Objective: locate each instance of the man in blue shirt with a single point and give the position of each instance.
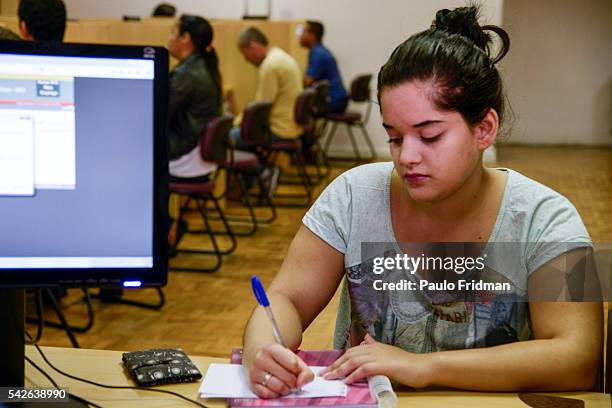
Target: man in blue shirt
(322, 65)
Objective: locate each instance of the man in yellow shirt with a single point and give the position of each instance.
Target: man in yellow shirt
(279, 80)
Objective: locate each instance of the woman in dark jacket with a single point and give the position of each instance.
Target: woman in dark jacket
(195, 99)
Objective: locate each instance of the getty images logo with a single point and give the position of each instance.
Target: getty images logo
(148, 52)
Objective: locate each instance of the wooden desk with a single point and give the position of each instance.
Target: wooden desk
(106, 367)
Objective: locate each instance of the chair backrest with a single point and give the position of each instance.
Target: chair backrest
(303, 107)
(214, 139)
(321, 102)
(255, 126)
(360, 88)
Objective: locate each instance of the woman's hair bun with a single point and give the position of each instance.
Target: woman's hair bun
(464, 21)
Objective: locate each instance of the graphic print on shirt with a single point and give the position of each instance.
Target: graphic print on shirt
(427, 321)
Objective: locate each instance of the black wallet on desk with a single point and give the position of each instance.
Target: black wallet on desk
(160, 366)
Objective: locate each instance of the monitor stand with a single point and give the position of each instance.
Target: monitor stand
(12, 346)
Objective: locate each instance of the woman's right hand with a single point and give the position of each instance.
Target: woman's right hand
(276, 370)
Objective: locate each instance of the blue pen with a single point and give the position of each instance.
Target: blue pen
(262, 299)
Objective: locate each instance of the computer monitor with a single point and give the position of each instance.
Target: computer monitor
(83, 167)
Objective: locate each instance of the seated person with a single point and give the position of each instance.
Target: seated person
(195, 99)
(42, 20)
(164, 10)
(278, 80)
(442, 102)
(322, 65)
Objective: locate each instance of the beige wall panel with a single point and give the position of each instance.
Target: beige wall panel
(9, 7)
(10, 23)
(239, 76)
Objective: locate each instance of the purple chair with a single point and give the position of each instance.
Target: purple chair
(255, 126)
(320, 110)
(320, 107)
(293, 147)
(360, 92)
(213, 147)
(239, 164)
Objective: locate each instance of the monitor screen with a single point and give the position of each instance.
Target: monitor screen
(82, 165)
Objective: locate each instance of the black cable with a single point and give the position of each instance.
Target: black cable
(84, 401)
(42, 371)
(75, 397)
(39, 315)
(94, 383)
(121, 387)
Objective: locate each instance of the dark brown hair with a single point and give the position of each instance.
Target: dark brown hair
(455, 52)
(201, 33)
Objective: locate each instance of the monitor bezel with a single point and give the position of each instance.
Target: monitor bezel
(157, 274)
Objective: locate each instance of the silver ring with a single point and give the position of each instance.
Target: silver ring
(266, 378)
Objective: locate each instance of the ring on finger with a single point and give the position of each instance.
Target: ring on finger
(266, 379)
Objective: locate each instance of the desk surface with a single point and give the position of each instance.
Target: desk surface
(105, 367)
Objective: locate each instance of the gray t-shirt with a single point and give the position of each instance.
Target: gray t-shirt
(355, 208)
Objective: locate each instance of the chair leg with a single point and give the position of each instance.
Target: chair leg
(330, 136)
(267, 201)
(228, 229)
(251, 220)
(215, 251)
(319, 133)
(319, 176)
(262, 198)
(308, 184)
(252, 217)
(74, 329)
(369, 142)
(201, 203)
(320, 129)
(353, 143)
(295, 178)
(244, 197)
(305, 182)
(324, 159)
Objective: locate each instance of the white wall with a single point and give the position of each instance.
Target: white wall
(361, 33)
(143, 8)
(559, 71)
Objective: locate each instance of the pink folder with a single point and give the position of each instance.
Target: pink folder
(358, 393)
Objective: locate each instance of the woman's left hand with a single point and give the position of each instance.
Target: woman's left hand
(374, 358)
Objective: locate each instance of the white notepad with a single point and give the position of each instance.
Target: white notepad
(231, 381)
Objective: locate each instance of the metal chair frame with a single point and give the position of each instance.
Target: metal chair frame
(360, 92)
(303, 116)
(213, 147)
(255, 128)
